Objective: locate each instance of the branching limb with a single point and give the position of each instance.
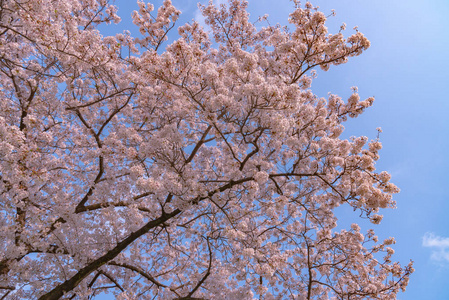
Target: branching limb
(137, 270)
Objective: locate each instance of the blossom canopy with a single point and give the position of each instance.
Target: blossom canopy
(204, 168)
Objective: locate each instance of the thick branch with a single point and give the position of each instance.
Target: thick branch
(71, 283)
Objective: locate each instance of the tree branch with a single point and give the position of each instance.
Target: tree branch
(71, 283)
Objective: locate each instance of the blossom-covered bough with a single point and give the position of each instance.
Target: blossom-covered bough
(201, 169)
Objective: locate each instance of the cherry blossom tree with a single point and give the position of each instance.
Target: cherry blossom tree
(203, 168)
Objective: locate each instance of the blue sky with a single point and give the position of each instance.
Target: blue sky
(407, 70)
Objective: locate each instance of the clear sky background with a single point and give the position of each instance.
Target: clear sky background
(407, 70)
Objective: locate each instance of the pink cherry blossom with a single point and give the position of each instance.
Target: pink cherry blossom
(203, 168)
